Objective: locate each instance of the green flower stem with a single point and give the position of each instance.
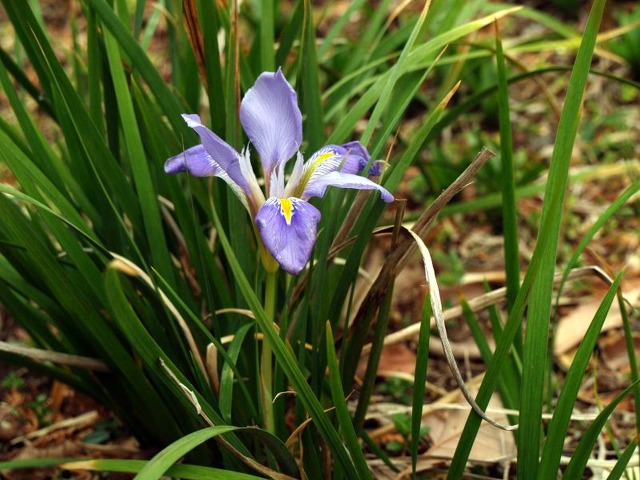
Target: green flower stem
(266, 360)
(268, 262)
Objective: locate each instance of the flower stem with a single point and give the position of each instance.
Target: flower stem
(266, 360)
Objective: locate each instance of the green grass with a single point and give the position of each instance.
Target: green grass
(246, 373)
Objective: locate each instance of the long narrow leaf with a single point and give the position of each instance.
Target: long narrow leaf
(342, 412)
(509, 210)
(287, 361)
(188, 472)
(539, 312)
(557, 428)
(621, 464)
(156, 83)
(161, 462)
(144, 185)
(583, 452)
(422, 361)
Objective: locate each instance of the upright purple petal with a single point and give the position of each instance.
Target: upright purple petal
(318, 187)
(270, 115)
(288, 229)
(195, 161)
(220, 151)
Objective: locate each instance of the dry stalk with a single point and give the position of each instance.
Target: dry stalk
(40, 355)
(484, 301)
(399, 257)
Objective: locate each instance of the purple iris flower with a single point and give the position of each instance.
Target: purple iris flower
(286, 221)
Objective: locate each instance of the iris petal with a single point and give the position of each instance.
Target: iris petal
(326, 160)
(220, 151)
(272, 120)
(288, 229)
(334, 157)
(195, 161)
(318, 187)
(356, 148)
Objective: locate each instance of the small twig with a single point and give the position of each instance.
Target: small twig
(40, 355)
(298, 430)
(83, 420)
(424, 222)
(483, 301)
(398, 258)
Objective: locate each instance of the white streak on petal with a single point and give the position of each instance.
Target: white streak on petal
(296, 176)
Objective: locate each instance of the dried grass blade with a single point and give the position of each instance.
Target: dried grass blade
(40, 355)
(436, 307)
(486, 300)
(194, 33)
(129, 268)
(400, 255)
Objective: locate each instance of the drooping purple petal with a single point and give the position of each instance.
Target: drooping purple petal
(220, 151)
(288, 229)
(377, 168)
(318, 187)
(195, 161)
(270, 115)
(356, 148)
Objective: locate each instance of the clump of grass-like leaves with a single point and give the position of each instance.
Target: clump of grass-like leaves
(156, 288)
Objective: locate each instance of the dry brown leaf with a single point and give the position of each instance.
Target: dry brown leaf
(588, 395)
(492, 445)
(572, 328)
(613, 350)
(397, 358)
(66, 449)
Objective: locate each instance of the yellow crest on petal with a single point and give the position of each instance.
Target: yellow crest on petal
(286, 207)
(323, 157)
(311, 167)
